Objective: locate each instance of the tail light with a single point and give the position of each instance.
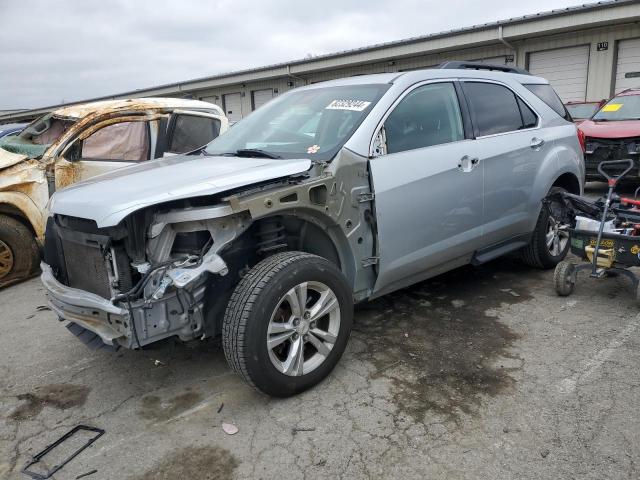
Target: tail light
(582, 141)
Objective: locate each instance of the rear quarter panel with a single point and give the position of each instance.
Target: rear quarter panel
(565, 157)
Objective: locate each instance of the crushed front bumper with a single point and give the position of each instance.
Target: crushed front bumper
(601, 149)
(146, 322)
(86, 309)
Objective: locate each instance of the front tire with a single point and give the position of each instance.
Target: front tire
(287, 323)
(19, 254)
(550, 240)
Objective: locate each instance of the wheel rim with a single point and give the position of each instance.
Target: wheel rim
(303, 328)
(6, 259)
(557, 237)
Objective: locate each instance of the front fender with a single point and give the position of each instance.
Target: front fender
(28, 208)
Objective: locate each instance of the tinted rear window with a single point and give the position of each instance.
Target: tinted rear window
(191, 132)
(494, 108)
(548, 95)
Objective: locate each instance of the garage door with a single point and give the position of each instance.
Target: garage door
(233, 106)
(212, 99)
(565, 68)
(628, 67)
(260, 97)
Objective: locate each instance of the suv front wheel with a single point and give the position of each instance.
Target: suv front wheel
(549, 242)
(288, 323)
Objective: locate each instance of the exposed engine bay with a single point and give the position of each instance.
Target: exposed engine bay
(602, 149)
(152, 265)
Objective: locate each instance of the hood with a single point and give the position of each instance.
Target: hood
(612, 129)
(109, 198)
(8, 159)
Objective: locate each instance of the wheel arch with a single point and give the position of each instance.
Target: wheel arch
(569, 182)
(310, 232)
(21, 208)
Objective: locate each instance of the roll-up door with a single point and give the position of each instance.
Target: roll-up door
(628, 67)
(260, 97)
(233, 106)
(565, 68)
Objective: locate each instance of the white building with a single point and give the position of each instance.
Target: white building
(588, 52)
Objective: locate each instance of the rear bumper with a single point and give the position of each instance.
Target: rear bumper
(86, 309)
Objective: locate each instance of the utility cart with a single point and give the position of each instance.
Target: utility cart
(604, 233)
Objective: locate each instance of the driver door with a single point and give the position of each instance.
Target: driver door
(114, 146)
(428, 187)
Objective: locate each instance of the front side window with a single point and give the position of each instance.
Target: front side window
(124, 142)
(429, 115)
(494, 109)
(190, 132)
(625, 107)
(312, 123)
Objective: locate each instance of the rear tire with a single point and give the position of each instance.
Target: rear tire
(539, 253)
(563, 278)
(19, 253)
(287, 323)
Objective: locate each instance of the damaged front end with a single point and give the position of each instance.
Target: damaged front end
(602, 149)
(144, 280)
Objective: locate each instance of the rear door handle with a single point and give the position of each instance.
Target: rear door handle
(466, 163)
(536, 143)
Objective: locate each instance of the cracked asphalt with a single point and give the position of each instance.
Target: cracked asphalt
(481, 373)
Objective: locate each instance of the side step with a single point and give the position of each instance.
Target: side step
(499, 249)
(90, 339)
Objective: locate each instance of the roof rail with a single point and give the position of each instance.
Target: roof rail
(482, 66)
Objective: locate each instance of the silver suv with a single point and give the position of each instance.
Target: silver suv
(331, 194)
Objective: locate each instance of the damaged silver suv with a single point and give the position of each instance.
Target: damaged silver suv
(330, 194)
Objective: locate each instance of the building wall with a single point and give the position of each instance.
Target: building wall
(600, 79)
(604, 21)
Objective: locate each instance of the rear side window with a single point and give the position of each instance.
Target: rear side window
(494, 108)
(548, 95)
(429, 115)
(529, 119)
(190, 132)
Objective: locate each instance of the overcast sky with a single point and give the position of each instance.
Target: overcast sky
(67, 50)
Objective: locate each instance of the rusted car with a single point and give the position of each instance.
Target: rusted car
(79, 142)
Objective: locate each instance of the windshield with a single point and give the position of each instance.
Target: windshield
(626, 107)
(37, 137)
(582, 110)
(312, 123)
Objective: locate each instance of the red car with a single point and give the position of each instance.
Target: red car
(613, 133)
(581, 111)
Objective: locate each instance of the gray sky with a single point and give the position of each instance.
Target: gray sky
(66, 50)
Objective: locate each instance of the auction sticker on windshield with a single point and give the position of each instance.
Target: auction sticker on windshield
(354, 105)
(612, 107)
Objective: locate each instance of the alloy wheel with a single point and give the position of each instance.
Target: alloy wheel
(303, 328)
(6, 259)
(557, 236)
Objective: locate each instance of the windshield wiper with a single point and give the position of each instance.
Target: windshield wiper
(250, 152)
(255, 152)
